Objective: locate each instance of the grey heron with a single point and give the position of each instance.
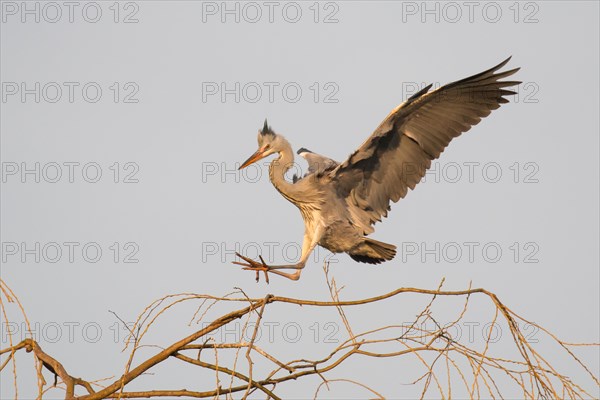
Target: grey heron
(340, 202)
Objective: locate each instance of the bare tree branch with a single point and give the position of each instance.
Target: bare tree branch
(448, 364)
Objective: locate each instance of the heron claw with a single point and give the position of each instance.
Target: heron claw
(254, 266)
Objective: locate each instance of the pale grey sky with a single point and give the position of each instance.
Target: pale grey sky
(165, 103)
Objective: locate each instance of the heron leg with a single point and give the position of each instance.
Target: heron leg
(261, 266)
(308, 245)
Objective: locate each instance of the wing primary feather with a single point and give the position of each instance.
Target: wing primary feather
(420, 93)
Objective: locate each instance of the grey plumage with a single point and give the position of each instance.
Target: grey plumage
(395, 157)
(340, 203)
(317, 164)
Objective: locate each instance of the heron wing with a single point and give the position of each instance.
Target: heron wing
(397, 155)
(316, 163)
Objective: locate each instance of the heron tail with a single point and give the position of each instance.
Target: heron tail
(372, 251)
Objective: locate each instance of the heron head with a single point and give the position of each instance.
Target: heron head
(268, 143)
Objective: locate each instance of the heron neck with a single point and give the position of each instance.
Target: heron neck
(277, 170)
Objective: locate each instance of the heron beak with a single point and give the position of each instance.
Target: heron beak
(260, 153)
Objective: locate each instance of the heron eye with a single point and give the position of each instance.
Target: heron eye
(267, 146)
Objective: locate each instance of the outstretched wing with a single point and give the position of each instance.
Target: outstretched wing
(396, 156)
(316, 163)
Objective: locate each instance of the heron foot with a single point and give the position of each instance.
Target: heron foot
(252, 265)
